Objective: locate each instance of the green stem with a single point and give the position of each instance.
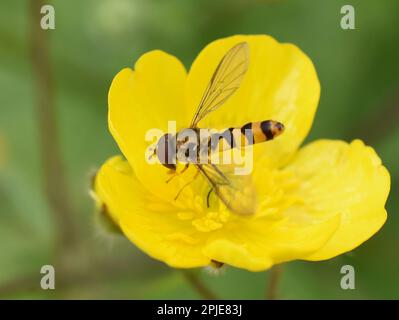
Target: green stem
(197, 284)
(56, 189)
(275, 277)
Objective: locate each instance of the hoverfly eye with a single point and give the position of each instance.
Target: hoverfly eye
(166, 149)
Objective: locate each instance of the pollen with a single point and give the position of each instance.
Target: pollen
(211, 221)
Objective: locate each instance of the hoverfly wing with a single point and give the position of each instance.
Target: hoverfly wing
(235, 191)
(224, 82)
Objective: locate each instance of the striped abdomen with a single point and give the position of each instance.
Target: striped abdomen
(251, 133)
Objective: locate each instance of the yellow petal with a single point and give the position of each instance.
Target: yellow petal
(143, 99)
(151, 224)
(340, 178)
(259, 243)
(177, 238)
(280, 84)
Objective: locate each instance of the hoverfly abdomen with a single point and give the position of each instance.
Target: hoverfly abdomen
(266, 130)
(248, 134)
(246, 131)
(223, 141)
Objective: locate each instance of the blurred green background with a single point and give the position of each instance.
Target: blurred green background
(93, 40)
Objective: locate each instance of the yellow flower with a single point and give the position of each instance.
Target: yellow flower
(314, 203)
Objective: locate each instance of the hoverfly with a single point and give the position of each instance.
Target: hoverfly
(239, 197)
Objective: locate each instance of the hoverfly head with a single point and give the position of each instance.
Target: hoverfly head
(166, 151)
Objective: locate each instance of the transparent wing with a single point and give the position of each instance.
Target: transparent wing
(224, 82)
(236, 191)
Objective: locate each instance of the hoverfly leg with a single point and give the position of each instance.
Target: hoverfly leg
(208, 196)
(175, 173)
(187, 184)
(185, 168)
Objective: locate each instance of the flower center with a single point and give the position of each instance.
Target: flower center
(273, 198)
(211, 221)
(204, 218)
